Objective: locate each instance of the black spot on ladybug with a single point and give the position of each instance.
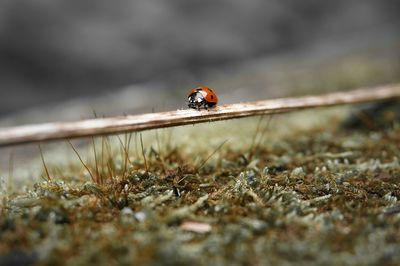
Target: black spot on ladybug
(212, 97)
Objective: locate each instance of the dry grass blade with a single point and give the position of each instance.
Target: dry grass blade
(254, 149)
(125, 153)
(209, 156)
(253, 141)
(83, 163)
(10, 170)
(44, 164)
(103, 126)
(160, 156)
(143, 153)
(95, 161)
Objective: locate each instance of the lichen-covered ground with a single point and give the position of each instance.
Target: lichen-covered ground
(312, 187)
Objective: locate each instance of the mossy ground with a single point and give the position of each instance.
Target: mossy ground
(295, 189)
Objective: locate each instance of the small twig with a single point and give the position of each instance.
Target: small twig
(103, 126)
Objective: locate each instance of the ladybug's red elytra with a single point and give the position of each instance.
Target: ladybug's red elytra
(202, 97)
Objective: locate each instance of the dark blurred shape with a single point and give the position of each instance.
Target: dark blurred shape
(55, 50)
(381, 115)
(16, 257)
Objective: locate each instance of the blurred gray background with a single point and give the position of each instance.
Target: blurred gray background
(62, 60)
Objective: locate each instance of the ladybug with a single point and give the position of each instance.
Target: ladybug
(202, 97)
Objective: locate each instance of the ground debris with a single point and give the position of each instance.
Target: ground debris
(196, 227)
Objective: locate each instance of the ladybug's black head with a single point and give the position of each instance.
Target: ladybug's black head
(196, 100)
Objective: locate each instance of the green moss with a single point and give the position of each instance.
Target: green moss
(306, 191)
